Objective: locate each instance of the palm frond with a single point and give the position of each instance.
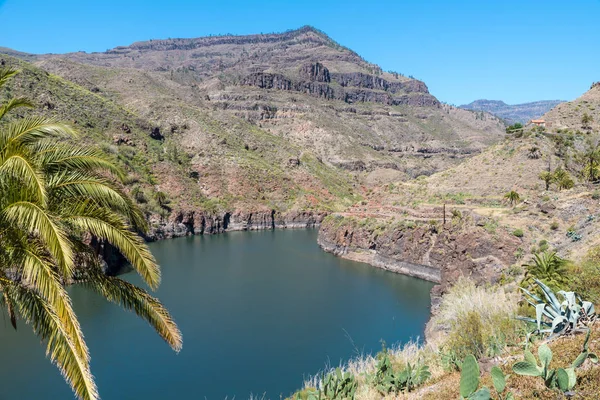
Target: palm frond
(6, 74)
(17, 165)
(38, 274)
(38, 312)
(30, 129)
(134, 298)
(10, 308)
(13, 104)
(60, 157)
(32, 219)
(109, 226)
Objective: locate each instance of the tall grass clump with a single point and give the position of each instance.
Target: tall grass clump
(475, 320)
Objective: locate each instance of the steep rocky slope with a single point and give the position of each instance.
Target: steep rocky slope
(570, 115)
(252, 128)
(513, 113)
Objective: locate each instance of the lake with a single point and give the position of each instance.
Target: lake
(259, 312)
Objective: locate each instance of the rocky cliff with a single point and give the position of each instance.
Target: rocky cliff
(427, 250)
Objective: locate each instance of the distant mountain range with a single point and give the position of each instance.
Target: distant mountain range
(513, 113)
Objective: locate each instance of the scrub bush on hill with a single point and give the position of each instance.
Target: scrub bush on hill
(477, 320)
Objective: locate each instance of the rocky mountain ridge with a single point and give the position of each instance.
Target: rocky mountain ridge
(513, 113)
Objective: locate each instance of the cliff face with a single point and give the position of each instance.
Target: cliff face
(428, 251)
(197, 222)
(355, 87)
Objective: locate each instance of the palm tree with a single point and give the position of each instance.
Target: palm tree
(563, 179)
(549, 268)
(54, 197)
(512, 197)
(547, 177)
(591, 159)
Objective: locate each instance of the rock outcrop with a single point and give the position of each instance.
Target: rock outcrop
(193, 222)
(423, 250)
(354, 87)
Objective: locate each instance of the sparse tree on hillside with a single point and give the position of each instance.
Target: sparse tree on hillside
(54, 196)
(547, 177)
(512, 197)
(563, 179)
(591, 160)
(586, 120)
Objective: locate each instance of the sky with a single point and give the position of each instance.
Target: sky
(515, 51)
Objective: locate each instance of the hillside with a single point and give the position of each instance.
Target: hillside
(521, 113)
(570, 115)
(230, 124)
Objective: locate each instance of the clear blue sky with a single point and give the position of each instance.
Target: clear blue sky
(516, 51)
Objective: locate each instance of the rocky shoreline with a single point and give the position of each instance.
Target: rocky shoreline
(192, 222)
(436, 253)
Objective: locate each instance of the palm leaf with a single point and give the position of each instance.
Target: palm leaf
(134, 298)
(38, 274)
(19, 167)
(6, 74)
(110, 227)
(38, 312)
(34, 220)
(13, 104)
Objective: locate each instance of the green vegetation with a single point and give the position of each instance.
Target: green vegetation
(547, 177)
(560, 318)
(469, 382)
(512, 197)
(591, 161)
(515, 128)
(389, 381)
(54, 195)
(547, 267)
(562, 378)
(518, 233)
(586, 120)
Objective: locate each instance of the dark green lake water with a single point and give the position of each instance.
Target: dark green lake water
(259, 311)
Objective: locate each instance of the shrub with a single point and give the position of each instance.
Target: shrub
(518, 233)
(477, 320)
(585, 276)
(596, 195)
(554, 225)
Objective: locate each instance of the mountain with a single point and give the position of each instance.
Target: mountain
(570, 115)
(235, 125)
(522, 113)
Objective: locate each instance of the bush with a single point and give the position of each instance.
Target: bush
(477, 320)
(596, 195)
(585, 276)
(518, 233)
(554, 225)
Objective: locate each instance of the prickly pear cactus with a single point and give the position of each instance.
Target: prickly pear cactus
(469, 377)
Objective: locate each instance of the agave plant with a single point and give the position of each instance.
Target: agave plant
(556, 317)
